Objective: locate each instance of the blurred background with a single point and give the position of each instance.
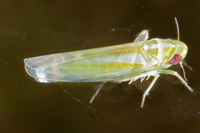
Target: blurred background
(40, 27)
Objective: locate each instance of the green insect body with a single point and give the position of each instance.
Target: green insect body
(125, 62)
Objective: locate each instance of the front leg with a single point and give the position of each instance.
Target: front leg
(171, 72)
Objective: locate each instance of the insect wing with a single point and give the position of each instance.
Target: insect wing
(41, 68)
(92, 65)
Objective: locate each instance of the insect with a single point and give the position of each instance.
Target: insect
(119, 63)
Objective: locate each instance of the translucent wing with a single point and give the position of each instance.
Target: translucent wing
(92, 65)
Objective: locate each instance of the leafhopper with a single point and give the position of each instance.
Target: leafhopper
(119, 63)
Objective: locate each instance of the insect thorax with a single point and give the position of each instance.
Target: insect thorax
(162, 50)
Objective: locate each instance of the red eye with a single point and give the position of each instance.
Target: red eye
(175, 60)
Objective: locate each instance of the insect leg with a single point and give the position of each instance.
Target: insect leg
(79, 102)
(97, 92)
(142, 36)
(148, 89)
(171, 72)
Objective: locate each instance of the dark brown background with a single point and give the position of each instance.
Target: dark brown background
(39, 27)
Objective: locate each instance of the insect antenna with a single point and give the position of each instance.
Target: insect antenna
(177, 27)
(178, 38)
(185, 64)
(181, 64)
